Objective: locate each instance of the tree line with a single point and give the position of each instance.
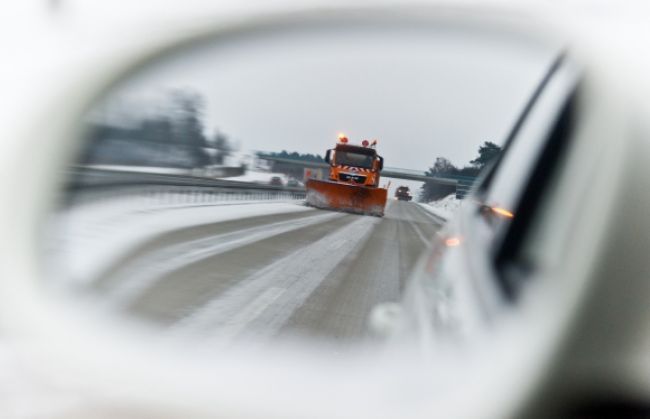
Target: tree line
(291, 169)
(171, 136)
(442, 167)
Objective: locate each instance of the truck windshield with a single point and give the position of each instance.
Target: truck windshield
(346, 158)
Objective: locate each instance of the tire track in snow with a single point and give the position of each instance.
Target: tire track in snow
(144, 274)
(260, 304)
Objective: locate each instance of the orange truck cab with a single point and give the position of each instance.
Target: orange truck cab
(357, 165)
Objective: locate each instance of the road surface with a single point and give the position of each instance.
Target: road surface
(310, 273)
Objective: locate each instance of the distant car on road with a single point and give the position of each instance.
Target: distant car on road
(276, 181)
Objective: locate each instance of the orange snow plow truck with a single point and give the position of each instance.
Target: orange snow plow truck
(353, 184)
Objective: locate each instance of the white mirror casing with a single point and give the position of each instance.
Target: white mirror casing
(555, 344)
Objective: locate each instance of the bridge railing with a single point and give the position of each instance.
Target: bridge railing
(463, 183)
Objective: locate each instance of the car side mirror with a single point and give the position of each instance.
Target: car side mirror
(204, 292)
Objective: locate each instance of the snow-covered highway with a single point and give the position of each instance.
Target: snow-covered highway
(255, 270)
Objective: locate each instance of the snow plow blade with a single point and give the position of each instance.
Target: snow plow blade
(343, 197)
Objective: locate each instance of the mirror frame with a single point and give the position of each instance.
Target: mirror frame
(68, 343)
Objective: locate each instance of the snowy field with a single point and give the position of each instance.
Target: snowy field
(445, 207)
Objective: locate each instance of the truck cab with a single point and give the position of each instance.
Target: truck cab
(355, 164)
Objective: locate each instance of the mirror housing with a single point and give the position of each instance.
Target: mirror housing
(173, 376)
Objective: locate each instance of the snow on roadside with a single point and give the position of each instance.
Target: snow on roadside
(445, 207)
(259, 177)
(139, 169)
(88, 238)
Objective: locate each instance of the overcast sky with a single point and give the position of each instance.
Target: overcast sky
(421, 93)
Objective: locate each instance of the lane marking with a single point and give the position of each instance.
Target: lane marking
(298, 274)
(408, 217)
(422, 234)
(144, 274)
(236, 324)
(422, 237)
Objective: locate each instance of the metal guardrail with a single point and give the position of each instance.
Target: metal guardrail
(84, 177)
(86, 184)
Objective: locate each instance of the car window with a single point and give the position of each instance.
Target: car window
(500, 198)
(513, 260)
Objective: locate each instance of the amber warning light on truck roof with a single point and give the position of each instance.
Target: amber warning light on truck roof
(343, 138)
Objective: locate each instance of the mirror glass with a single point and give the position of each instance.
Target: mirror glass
(200, 204)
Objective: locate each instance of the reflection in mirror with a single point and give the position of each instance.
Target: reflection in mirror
(202, 203)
